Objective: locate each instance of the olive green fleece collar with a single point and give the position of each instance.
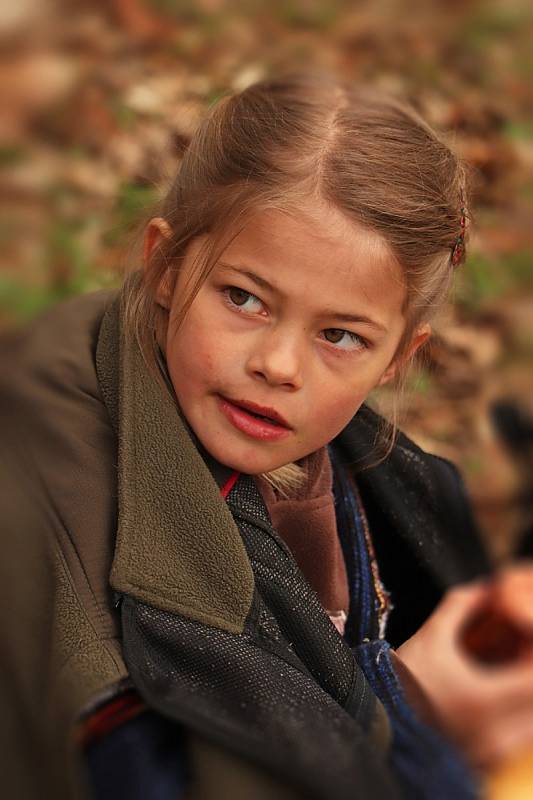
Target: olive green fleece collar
(177, 547)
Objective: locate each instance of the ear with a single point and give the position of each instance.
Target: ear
(419, 337)
(157, 230)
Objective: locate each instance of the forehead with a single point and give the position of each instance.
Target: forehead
(319, 254)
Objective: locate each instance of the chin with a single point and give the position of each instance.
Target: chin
(248, 468)
(250, 465)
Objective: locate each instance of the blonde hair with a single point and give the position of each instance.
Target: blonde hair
(280, 142)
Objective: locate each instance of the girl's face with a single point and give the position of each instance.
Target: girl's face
(297, 323)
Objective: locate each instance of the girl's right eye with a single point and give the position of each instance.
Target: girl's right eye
(241, 300)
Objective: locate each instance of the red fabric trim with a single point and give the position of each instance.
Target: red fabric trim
(230, 483)
(109, 717)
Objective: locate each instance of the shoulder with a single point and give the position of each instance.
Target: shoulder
(56, 349)
(419, 494)
(405, 463)
(52, 414)
(54, 427)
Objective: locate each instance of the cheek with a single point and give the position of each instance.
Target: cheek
(344, 398)
(195, 359)
(338, 412)
(328, 417)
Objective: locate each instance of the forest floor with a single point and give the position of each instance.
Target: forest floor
(102, 98)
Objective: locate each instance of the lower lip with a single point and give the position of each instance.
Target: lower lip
(250, 425)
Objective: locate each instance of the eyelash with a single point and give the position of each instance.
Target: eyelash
(361, 344)
(359, 341)
(235, 306)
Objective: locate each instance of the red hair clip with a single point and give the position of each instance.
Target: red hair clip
(459, 250)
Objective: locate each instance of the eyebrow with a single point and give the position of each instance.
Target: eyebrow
(338, 317)
(358, 318)
(261, 282)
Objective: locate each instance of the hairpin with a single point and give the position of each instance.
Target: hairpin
(459, 250)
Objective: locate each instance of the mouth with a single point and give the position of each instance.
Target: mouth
(261, 412)
(256, 421)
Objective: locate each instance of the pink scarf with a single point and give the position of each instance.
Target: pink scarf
(305, 520)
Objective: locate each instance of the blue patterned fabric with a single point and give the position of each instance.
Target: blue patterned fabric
(362, 622)
(428, 767)
(143, 759)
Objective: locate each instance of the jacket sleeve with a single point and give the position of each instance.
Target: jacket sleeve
(38, 762)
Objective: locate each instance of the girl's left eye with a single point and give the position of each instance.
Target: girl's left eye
(241, 300)
(344, 340)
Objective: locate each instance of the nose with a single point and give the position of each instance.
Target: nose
(277, 358)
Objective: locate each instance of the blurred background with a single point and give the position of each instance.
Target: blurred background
(99, 100)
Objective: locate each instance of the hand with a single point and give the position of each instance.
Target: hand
(502, 630)
(487, 711)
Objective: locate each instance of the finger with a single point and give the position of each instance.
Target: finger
(511, 735)
(524, 567)
(511, 685)
(462, 600)
(495, 694)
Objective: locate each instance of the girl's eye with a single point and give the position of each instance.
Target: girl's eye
(345, 340)
(242, 300)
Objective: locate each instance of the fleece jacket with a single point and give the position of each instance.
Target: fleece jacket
(103, 461)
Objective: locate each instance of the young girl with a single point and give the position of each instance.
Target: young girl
(237, 539)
